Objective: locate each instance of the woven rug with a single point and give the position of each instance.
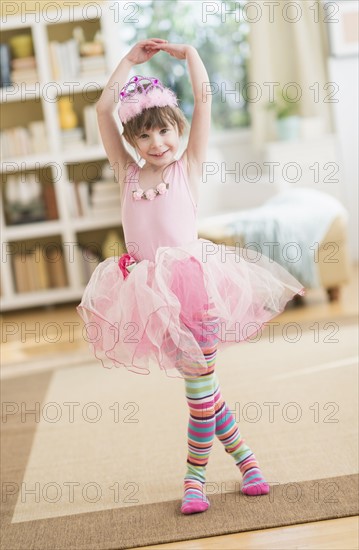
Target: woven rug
(94, 458)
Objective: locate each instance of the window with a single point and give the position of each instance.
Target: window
(222, 45)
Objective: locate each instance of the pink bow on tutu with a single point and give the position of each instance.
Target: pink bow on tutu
(126, 263)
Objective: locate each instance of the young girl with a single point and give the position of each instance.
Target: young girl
(174, 298)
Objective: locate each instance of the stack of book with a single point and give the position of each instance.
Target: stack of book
(18, 70)
(78, 198)
(39, 269)
(72, 139)
(66, 61)
(39, 141)
(105, 199)
(92, 65)
(15, 142)
(22, 141)
(23, 70)
(26, 200)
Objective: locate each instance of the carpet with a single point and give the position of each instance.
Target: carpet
(85, 460)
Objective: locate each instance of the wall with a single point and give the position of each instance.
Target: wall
(231, 151)
(344, 71)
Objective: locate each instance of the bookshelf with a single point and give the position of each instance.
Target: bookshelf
(52, 234)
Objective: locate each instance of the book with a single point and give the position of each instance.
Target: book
(37, 131)
(5, 67)
(53, 46)
(64, 59)
(24, 62)
(73, 58)
(31, 271)
(92, 66)
(19, 268)
(106, 202)
(4, 145)
(92, 62)
(56, 267)
(24, 75)
(105, 213)
(21, 141)
(42, 276)
(92, 131)
(49, 197)
(72, 134)
(72, 138)
(82, 197)
(101, 187)
(71, 199)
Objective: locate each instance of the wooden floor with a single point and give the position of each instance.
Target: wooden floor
(58, 330)
(334, 534)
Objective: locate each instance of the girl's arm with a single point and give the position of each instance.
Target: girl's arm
(196, 151)
(117, 154)
(201, 118)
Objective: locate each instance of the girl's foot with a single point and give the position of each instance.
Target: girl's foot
(253, 481)
(194, 499)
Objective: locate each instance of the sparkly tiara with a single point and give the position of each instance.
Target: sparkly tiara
(143, 92)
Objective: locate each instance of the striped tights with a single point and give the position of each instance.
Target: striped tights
(209, 416)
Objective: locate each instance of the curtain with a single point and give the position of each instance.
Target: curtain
(289, 43)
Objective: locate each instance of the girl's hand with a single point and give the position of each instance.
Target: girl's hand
(144, 50)
(179, 51)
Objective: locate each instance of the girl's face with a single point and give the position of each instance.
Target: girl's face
(158, 146)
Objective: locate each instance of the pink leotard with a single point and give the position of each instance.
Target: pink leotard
(167, 220)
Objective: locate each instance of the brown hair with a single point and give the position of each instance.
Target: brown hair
(155, 117)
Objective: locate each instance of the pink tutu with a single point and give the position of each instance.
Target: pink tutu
(191, 296)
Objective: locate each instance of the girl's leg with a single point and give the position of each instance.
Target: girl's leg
(228, 433)
(201, 432)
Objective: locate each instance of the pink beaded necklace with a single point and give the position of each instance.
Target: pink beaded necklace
(150, 193)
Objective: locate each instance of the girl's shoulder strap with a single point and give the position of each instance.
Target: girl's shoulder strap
(182, 168)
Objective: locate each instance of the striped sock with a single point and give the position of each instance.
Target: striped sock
(228, 433)
(253, 481)
(201, 432)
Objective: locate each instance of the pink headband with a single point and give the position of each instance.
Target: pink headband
(153, 95)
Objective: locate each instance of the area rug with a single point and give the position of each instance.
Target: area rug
(94, 458)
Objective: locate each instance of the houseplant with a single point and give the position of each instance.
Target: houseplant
(287, 118)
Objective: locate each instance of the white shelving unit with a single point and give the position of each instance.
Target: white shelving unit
(65, 229)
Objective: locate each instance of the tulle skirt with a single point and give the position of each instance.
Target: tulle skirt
(191, 297)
